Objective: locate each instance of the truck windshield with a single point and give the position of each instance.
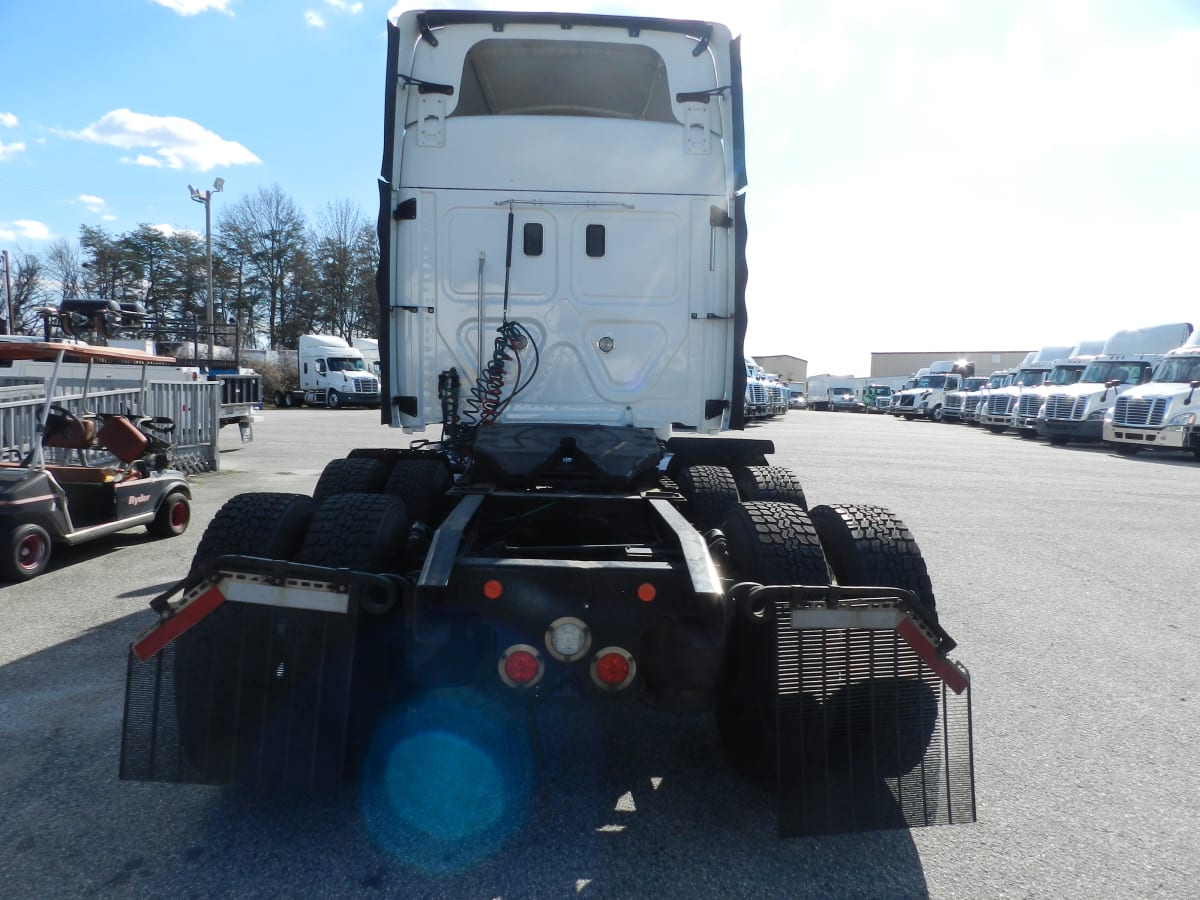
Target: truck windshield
(1183, 370)
(975, 384)
(931, 381)
(1030, 377)
(841, 392)
(1122, 372)
(565, 78)
(346, 364)
(1064, 375)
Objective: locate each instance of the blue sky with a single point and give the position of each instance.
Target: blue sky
(924, 175)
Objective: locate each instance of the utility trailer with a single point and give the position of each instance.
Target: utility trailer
(562, 289)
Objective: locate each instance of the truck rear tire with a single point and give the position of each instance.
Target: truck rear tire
(367, 532)
(769, 542)
(870, 546)
(422, 485)
(769, 483)
(263, 524)
(710, 491)
(351, 475)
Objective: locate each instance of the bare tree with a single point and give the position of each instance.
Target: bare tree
(266, 231)
(28, 292)
(63, 269)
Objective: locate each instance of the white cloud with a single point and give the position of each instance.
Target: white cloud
(8, 151)
(27, 229)
(91, 202)
(179, 142)
(8, 120)
(314, 20)
(142, 160)
(353, 8)
(195, 7)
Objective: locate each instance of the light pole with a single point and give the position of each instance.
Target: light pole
(205, 197)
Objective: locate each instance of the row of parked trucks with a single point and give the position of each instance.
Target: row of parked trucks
(766, 394)
(1135, 390)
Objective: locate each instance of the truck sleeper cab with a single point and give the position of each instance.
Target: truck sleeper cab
(560, 310)
(1161, 413)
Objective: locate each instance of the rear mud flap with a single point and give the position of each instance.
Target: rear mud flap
(873, 720)
(251, 695)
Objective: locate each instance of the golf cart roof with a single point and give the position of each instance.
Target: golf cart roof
(14, 347)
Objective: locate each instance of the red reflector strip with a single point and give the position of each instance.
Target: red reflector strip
(188, 614)
(954, 677)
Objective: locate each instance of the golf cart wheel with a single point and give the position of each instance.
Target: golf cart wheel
(770, 542)
(173, 516)
(27, 552)
(268, 525)
(333, 400)
(769, 483)
(351, 475)
(710, 491)
(870, 546)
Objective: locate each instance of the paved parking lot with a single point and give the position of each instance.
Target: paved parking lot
(1065, 574)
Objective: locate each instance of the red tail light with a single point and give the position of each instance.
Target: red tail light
(521, 666)
(613, 668)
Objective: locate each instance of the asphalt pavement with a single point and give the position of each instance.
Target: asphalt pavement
(1065, 574)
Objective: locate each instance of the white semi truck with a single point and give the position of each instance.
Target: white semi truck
(559, 309)
(1065, 372)
(331, 373)
(1161, 414)
(927, 398)
(997, 408)
(1077, 412)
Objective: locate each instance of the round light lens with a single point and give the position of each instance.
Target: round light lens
(568, 639)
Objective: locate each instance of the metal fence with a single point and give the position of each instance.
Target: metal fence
(194, 406)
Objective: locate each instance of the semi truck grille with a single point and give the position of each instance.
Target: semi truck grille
(970, 403)
(1140, 413)
(1064, 406)
(1028, 405)
(758, 394)
(953, 402)
(251, 695)
(908, 400)
(365, 386)
(999, 406)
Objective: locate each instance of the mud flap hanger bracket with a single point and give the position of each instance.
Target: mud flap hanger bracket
(824, 607)
(249, 579)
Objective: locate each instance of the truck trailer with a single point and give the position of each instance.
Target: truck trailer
(576, 529)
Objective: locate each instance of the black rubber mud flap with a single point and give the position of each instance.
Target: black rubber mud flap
(253, 695)
(873, 724)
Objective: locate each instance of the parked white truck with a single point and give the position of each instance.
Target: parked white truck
(833, 393)
(331, 373)
(562, 281)
(1161, 414)
(927, 398)
(996, 410)
(1065, 372)
(1076, 412)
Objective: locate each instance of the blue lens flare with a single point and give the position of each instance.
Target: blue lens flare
(447, 780)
